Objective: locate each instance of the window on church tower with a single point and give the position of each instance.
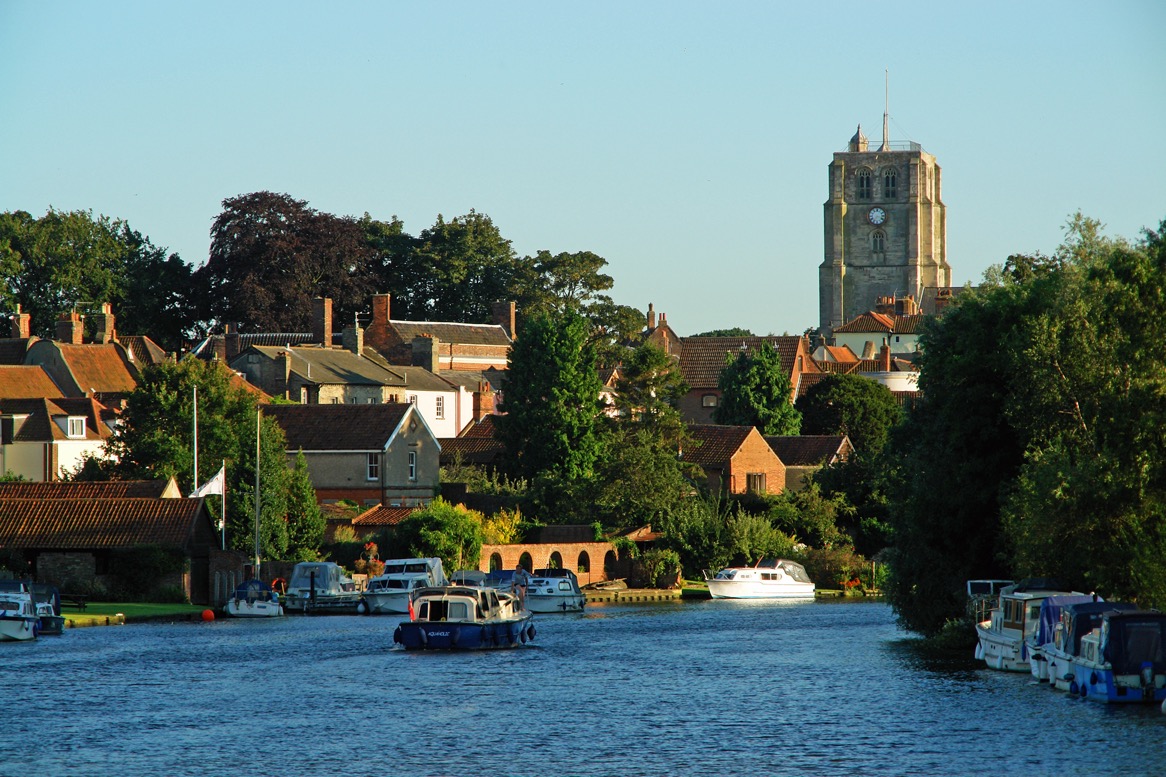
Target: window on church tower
(878, 241)
(864, 184)
(890, 184)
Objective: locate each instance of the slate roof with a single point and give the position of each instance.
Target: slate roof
(39, 425)
(17, 381)
(703, 358)
(109, 489)
(383, 516)
(215, 346)
(338, 427)
(85, 524)
(335, 366)
(718, 443)
(13, 349)
(450, 332)
(807, 450)
(471, 450)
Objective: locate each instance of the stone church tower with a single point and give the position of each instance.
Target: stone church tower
(885, 229)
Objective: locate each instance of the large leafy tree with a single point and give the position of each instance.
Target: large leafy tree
(648, 391)
(449, 532)
(858, 407)
(756, 392)
(155, 439)
(69, 260)
(552, 405)
(271, 255)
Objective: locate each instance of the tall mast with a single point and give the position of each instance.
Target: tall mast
(258, 419)
(886, 110)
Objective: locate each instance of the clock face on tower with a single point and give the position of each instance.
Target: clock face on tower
(877, 216)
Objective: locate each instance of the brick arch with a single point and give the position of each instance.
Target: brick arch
(580, 557)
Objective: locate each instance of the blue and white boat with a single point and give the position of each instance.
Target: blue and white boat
(18, 619)
(1002, 638)
(390, 591)
(1123, 660)
(1076, 621)
(254, 599)
(554, 590)
(1045, 635)
(460, 617)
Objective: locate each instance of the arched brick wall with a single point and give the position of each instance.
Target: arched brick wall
(541, 554)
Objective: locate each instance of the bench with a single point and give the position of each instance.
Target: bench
(73, 600)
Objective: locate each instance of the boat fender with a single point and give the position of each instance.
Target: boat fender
(1093, 678)
(424, 637)
(1073, 688)
(397, 635)
(362, 607)
(455, 635)
(1084, 690)
(522, 635)
(530, 631)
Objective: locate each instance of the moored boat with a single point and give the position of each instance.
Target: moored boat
(390, 591)
(18, 619)
(1076, 621)
(1044, 638)
(554, 590)
(767, 579)
(460, 617)
(1002, 637)
(1123, 660)
(254, 599)
(320, 586)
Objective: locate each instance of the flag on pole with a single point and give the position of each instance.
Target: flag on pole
(212, 486)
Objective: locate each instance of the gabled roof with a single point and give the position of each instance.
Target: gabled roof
(340, 427)
(17, 381)
(872, 322)
(83, 524)
(483, 428)
(383, 516)
(215, 346)
(100, 368)
(106, 489)
(142, 349)
(40, 426)
(703, 358)
(808, 450)
(718, 443)
(451, 332)
(333, 366)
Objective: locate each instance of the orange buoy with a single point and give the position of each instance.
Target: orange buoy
(208, 615)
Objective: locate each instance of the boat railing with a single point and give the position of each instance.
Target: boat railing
(980, 607)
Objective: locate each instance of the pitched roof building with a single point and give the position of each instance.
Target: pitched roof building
(41, 439)
(24, 381)
(735, 459)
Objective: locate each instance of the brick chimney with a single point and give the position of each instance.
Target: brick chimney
(483, 400)
(231, 344)
(377, 333)
(70, 328)
(651, 316)
(504, 316)
(282, 374)
(427, 353)
(103, 322)
(322, 321)
(21, 324)
(885, 358)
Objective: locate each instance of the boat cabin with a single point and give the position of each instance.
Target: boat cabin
(461, 604)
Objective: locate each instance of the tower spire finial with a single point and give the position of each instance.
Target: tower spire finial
(886, 109)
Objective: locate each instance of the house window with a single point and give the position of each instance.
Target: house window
(412, 399)
(371, 400)
(878, 241)
(303, 395)
(374, 466)
(708, 400)
(76, 426)
(336, 400)
(412, 465)
(863, 184)
(352, 400)
(755, 482)
(890, 186)
(440, 407)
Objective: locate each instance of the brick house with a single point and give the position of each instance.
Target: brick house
(369, 454)
(803, 455)
(735, 459)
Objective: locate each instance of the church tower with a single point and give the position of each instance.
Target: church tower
(885, 229)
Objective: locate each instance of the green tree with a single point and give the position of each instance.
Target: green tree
(858, 407)
(451, 533)
(756, 392)
(698, 531)
(305, 520)
(271, 255)
(638, 482)
(648, 392)
(735, 331)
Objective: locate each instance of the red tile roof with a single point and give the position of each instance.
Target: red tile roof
(338, 427)
(108, 489)
(383, 516)
(483, 429)
(40, 426)
(22, 381)
(470, 450)
(143, 350)
(98, 368)
(703, 358)
(718, 444)
(83, 524)
(13, 349)
(808, 450)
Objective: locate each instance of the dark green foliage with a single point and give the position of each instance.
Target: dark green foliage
(757, 392)
(858, 407)
(648, 391)
(305, 521)
(697, 531)
(735, 331)
(448, 532)
(639, 480)
(137, 573)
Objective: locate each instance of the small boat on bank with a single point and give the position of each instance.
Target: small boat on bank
(254, 599)
(767, 579)
(18, 619)
(1015, 619)
(554, 590)
(461, 617)
(1123, 660)
(390, 591)
(321, 586)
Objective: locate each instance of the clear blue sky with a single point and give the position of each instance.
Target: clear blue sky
(685, 142)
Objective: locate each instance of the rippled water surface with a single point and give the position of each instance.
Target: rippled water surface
(709, 688)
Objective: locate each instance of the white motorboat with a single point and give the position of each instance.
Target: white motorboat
(767, 579)
(554, 590)
(1002, 638)
(390, 591)
(321, 586)
(18, 618)
(254, 599)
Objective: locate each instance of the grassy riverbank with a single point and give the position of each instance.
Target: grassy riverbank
(112, 613)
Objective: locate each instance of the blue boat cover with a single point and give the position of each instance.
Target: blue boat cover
(1084, 618)
(1050, 614)
(1135, 639)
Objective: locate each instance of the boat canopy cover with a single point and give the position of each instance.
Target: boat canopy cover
(328, 577)
(1084, 618)
(794, 570)
(1136, 638)
(1050, 614)
(255, 591)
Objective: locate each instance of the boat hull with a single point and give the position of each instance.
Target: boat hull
(53, 625)
(467, 635)
(395, 603)
(240, 608)
(18, 628)
(1001, 651)
(545, 603)
(731, 589)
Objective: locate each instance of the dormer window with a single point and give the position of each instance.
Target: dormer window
(76, 428)
(863, 184)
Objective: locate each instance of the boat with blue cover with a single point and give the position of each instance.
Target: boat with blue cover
(1002, 638)
(1123, 659)
(254, 599)
(1044, 637)
(1076, 621)
(462, 617)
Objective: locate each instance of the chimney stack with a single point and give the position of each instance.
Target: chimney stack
(322, 321)
(885, 358)
(353, 339)
(427, 353)
(377, 333)
(21, 324)
(282, 374)
(103, 324)
(231, 342)
(70, 328)
(651, 316)
(504, 316)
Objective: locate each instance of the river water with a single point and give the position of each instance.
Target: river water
(705, 688)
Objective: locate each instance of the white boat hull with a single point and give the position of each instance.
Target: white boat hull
(1001, 651)
(395, 602)
(18, 628)
(730, 589)
(543, 603)
(240, 608)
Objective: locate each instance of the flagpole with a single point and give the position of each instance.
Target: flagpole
(224, 516)
(196, 437)
(258, 419)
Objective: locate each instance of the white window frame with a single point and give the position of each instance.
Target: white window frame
(412, 465)
(439, 412)
(76, 427)
(373, 465)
